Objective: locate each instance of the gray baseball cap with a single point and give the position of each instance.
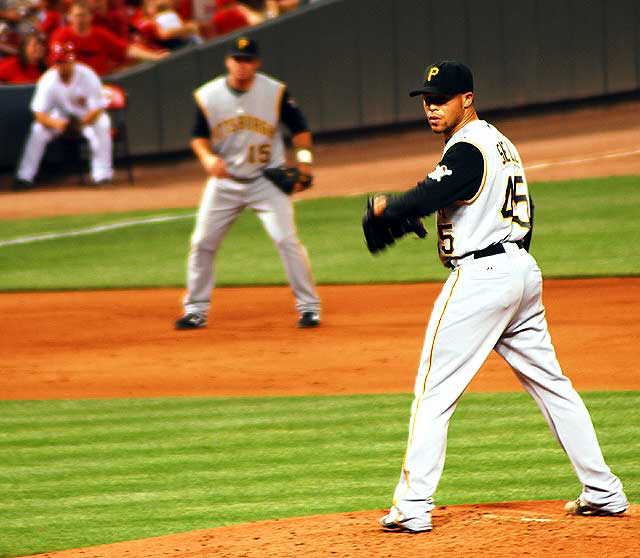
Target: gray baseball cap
(447, 77)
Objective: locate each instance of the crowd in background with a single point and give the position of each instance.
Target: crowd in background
(110, 35)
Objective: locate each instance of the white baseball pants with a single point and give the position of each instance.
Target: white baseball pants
(494, 303)
(222, 202)
(98, 136)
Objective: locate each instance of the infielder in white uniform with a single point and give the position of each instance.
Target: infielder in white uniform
(236, 137)
(492, 300)
(68, 90)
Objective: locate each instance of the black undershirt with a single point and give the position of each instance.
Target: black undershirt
(458, 177)
(290, 115)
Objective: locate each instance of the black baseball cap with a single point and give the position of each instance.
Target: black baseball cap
(446, 78)
(244, 46)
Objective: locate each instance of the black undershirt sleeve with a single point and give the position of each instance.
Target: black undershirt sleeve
(458, 177)
(291, 115)
(200, 125)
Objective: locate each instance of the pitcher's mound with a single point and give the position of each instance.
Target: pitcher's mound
(510, 529)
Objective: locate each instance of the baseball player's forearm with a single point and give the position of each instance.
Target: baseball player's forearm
(212, 164)
(49, 122)
(201, 148)
(136, 51)
(303, 140)
(426, 198)
(91, 117)
(303, 144)
(176, 33)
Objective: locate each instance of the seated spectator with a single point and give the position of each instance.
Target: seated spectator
(28, 65)
(68, 90)
(184, 9)
(144, 32)
(96, 46)
(9, 41)
(255, 10)
(50, 16)
(132, 8)
(228, 16)
(274, 8)
(171, 31)
(112, 15)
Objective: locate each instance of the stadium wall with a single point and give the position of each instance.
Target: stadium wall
(350, 63)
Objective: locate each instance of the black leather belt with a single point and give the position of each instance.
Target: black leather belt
(491, 250)
(243, 180)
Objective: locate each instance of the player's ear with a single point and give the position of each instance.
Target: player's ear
(467, 100)
(258, 62)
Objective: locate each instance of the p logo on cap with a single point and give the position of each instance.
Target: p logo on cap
(244, 46)
(445, 78)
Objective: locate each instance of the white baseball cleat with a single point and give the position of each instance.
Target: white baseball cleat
(581, 507)
(393, 522)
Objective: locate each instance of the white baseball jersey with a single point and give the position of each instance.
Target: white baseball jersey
(499, 212)
(244, 127)
(82, 94)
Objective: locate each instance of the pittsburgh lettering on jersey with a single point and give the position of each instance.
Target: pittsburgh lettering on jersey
(242, 122)
(505, 152)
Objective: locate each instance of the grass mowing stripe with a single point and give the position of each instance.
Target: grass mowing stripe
(573, 236)
(118, 464)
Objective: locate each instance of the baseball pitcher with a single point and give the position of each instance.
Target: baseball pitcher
(491, 300)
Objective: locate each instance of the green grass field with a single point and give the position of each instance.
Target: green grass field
(583, 228)
(80, 473)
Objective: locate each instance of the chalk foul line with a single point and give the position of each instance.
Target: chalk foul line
(582, 159)
(94, 230)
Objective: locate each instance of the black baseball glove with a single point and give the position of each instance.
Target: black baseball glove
(73, 129)
(286, 178)
(380, 232)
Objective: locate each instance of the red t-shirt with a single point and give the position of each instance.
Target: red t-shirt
(99, 48)
(12, 72)
(226, 20)
(51, 20)
(115, 21)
